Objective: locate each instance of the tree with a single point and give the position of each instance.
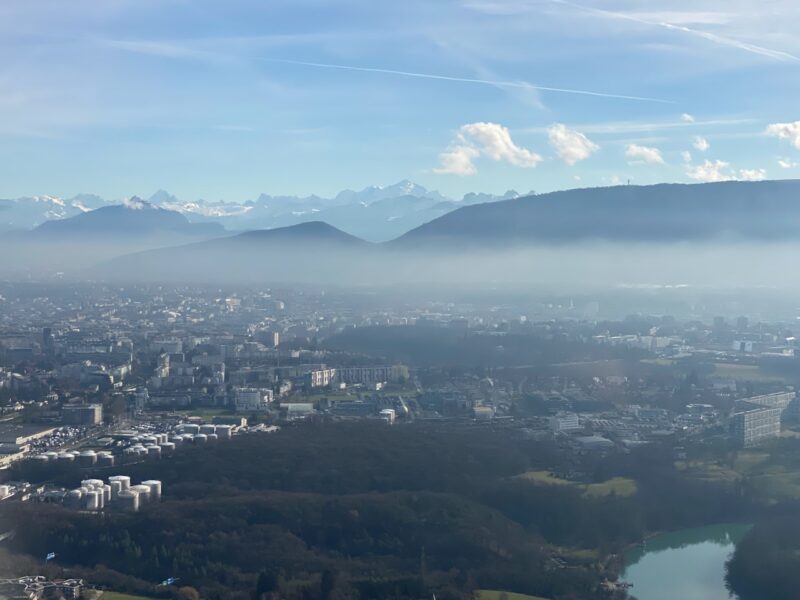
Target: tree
(187, 593)
(328, 583)
(267, 583)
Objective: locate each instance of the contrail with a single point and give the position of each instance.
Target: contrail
(508, 84)
(711, 37)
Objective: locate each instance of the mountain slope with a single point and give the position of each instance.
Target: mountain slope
(133, 218)
(767, 210)
(308, 252)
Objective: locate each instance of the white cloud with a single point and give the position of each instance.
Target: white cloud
(483, 139)
(700, 143)
(687, 118)
(495, 141)
(717, 170)
(686, 156)
(457, 161)
(572, 146)
(787, 164)
(644, 154)
(786, 131)
(752, 174)
(720, 170)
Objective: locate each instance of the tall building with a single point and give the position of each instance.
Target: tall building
(373, 374)
(82, 414)
(750, 427)
(782, 400)
(252, 399)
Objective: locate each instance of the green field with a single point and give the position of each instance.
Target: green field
(500, 595)
(206, 412)
(770, 477)
(743, 372)
(621, 486)
(543, 477)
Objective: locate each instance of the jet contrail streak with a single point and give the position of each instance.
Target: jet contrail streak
(711, 37)
(508, 84)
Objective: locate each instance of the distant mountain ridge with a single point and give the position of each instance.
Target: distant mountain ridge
(312, 250)
(763, 210)
(496, 239)
(133, 218)
(377, 213)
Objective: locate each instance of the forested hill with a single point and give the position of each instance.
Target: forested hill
(354, 511)
(764, 210)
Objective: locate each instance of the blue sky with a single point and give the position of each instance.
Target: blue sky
(225, 100)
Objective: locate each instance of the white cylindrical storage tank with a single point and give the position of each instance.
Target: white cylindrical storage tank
(66, 458)
(224, 432)
(115, 488)
(176, 439)
(167, 448)
(4, 491)
(41, 459)
(129, 455)
(91, 500)
(212, 437)
(95, 483)
(124, 481)
(206, 429)
(128, 500)
(51, 456)
(87, 458)
(73, 499)
(144, 493)
(105, 460)
(107, 493)
(163, 438)
(154, 451)
(200, 438)
(189, 428)
(155, 489)
(188, 438)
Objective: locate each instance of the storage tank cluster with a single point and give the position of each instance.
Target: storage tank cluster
(94, 494)
(162, 444)
(141, 447)
(87, 458)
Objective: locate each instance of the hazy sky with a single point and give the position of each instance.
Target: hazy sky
(224, 100)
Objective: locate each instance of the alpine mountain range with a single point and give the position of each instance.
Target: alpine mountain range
(405, 233)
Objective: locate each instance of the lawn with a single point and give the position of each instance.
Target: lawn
(501, 595)
(545, 477)
(621, 486)
(207, 412)
(743, 372)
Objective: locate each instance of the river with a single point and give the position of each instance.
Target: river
(687, 564)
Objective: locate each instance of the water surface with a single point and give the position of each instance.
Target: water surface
(686, 565)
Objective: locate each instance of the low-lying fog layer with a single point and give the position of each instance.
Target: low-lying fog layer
(572, 266)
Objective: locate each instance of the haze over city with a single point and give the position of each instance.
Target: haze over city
(350, 300)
